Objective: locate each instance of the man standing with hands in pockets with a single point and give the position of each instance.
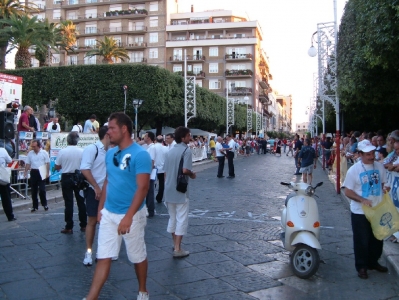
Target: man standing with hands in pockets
(120, 211)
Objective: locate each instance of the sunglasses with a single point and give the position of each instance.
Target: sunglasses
(116, 162)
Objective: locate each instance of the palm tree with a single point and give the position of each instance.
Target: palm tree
(22, 33)
(108, 49)
(67, 36)
(10, 8)
(49, 32)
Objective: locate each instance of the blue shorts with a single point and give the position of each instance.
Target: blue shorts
(91, 202)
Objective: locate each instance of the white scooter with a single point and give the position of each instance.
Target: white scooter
(301, 229)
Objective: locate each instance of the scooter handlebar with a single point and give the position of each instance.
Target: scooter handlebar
(285, 183)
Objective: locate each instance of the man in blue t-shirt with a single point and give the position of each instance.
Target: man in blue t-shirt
(307, 161)
(120, 210)
(297, 148)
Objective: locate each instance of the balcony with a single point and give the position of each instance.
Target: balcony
(238, 57)
(99, 62)
(203, 37)
(199, 75)
(108, 15)
(264, 83)
(139, 29)
(264, 98)
(40, 7)
(239, 91)
(239, 73)
(190, 58)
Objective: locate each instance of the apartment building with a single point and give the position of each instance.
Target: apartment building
(303, 127)
(284, 118)
(138, 26)
(223, 52)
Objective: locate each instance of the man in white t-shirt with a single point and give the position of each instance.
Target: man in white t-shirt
(149, 145)
(230, 155)
(170, 140)
(53, 126)
(364, 185)
(220, 156)
(160, 151)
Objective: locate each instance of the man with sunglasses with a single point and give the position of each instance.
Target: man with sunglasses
(364, 185)
(120, 211)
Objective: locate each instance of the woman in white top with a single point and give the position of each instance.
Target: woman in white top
(5, 189)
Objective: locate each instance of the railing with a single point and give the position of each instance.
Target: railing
(208, 38)
(189, 58)
(246, 72)
(129, 28)
(201, 21)
(105, 15)
(238, 56)
(191, 73)
(76, 2)
(126, 12)
(239, 91)
(99, 62)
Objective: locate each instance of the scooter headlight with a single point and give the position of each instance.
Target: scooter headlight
(309, 191)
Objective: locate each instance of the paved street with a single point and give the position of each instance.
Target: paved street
(233, 241)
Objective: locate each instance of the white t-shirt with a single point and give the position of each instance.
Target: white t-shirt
(365, 180)
(232, 145)
(218, 148)
(36, 160)
(77, 128)
(160, 151)
(50, 127)
(151, 149)
(69, 159)
(95, 165)
(171, 145)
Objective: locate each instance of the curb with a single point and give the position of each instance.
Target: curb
(390, 251)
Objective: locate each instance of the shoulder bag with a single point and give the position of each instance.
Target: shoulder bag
(5, 175)
(182, 181)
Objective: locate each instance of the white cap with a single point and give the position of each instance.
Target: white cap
(365, 146)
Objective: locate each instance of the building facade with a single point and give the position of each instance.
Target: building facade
(301, 128)
(137, 25)
(223, 52)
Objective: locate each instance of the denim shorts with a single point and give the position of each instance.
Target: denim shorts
(91, 202)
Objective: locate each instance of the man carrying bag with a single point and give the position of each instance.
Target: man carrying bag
(176, 196)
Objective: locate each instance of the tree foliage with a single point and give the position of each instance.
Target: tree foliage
(368, 64)
(109, 49)
(86, 89)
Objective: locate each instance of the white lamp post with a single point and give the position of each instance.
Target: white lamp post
(249, 116)
(136, 104)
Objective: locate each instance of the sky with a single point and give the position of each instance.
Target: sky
(287, 27)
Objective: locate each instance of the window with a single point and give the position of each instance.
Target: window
(153, 21)
(41, 16)
(177, 68)
(154, 6)
(90, 42)
(34, 62)
(189, 68)
(115, 26)
(213, 51)
(56, 14)
(90, 60)
(91, 13)
(214, 84)
(197, 53)
(55, 58)
(72, 15)
(91, 28)
(73, 2)
(133, 26)
(72, 60)
(238, 67)
(239, 35)
(240, 84)
(199, 83)
(213, 68)
(177, 54)
(197, 68)
(154, 53)
(154, 37)
(114, 7)
(136, 56)
(118, 40)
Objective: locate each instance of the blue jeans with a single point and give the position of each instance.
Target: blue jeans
(149, 200)
(296, 163)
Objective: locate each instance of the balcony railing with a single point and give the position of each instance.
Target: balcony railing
(126, 12)
(99, 62)
(239, 91)
(238, 56)
(239, 73)
(217, 37)
(179, 58)
(109, 14)
(200, 74)
(128, 28)
(202, 21)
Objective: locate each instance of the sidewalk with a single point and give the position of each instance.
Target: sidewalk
(390, 250)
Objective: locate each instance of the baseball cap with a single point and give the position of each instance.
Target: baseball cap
(383, 151)
(365, 146)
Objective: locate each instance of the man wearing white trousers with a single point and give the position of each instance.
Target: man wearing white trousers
(178, 202)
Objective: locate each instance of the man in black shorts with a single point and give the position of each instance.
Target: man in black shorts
(93, 168)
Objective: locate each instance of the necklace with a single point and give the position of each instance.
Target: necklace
(370, 179)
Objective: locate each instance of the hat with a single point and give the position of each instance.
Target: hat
(383, 151)
(365, 146)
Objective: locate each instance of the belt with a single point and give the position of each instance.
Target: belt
(34, 169)
(69, 174)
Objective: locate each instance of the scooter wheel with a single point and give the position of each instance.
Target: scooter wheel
(305, 261)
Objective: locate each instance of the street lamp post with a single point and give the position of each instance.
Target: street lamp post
(327, 37)
(136, 104)
(125, 92)
(249, 116)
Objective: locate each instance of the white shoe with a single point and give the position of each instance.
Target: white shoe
(88, 261)
(181, 253)
(115, 258)
(143, 296)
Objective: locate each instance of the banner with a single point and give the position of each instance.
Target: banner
(59, 141)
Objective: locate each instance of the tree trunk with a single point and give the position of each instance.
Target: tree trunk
(158, 126)
(3, 50)
(22, 59)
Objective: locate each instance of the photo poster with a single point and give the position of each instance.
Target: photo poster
(59, 141)
(10, 92)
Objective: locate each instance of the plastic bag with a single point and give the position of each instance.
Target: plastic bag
(384, 218)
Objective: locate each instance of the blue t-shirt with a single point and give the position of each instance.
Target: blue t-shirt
(308, 154)
(122, 184)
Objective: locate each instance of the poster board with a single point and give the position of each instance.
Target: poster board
(10, 91)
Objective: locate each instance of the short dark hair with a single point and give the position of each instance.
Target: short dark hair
(73, 138)
(102, 132)
(151, 135)
(160, 140)
(171, 135)
(308, 142)
(39, 144)
(93, 116)
(122, 119)
(180, 133)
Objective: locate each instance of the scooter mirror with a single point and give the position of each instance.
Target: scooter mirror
(319, 184)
